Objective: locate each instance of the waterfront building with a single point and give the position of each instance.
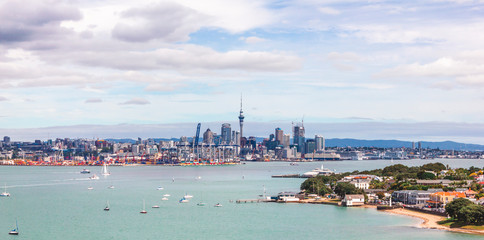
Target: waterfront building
(279, 134)
(351, 200)
(208, 136)
(226, 133)
(298, 138)
(440, 199)
(413, 197)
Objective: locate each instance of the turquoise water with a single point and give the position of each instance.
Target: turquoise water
(54, 203)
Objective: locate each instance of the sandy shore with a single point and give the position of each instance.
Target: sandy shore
(430, 221)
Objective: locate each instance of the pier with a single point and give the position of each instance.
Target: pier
(289, 176)
(254, 200)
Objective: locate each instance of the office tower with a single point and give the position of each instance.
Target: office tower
(6, 139)
(286, 140)
(298, 138)
(279, 136)
(208, 136)
(226, 133)
(318, 139)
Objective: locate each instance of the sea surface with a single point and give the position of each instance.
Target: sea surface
(55, 203)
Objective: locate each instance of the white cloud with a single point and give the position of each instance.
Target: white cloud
(253, 40)
(329, 11)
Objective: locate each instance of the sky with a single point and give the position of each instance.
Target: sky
(346, 63)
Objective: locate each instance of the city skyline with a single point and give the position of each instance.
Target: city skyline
(367, 70)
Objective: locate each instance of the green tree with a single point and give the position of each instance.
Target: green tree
(435, 167)
(471, 214)
(426, 175)
(380, 195)
(344, 188)
(453, 207)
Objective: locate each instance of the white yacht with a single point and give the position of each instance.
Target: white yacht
(5, 193)
(318, 171)
(187, 196)
(164, 199)
(94, 177)
(105, 171)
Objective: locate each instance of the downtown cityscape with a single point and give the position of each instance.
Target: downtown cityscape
(241, 119)
(208, 148)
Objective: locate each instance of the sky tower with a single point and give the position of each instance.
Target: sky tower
(241, 121)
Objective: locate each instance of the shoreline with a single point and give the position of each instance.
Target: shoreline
(430, 221)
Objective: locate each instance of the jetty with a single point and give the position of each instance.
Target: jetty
(254, 200)
(289, 176)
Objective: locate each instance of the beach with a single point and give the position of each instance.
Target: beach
(430, 221)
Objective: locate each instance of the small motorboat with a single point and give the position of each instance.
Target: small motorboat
(155, 206)
(85, 170)
(90, 188)
(187, 196)
(201, 204)
(111, 187)
(94, 177)
(218, 205)
(164, 199)
(184, 200)
(159, 188)
(166, 195)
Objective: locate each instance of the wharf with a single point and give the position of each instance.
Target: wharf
(254, 200)
(289, 176)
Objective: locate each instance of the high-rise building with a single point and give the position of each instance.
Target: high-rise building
(6, 139)
(241, 122)
(286, 141)
(298, 138)
(318, 139)
(208, 136)
(226, 133)
(279, 136)
(310, 146)
(413, 145)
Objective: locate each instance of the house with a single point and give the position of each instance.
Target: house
(361, 183)
(352, 200)
(470, 193)
(440, 199)
(412, 197)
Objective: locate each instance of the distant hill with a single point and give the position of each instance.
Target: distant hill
(349, 142)
(446, 145)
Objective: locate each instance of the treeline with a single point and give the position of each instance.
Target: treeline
(464, 211)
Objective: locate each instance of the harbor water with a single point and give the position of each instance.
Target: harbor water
(55, 203)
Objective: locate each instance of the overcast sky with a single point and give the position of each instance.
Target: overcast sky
(110, 62)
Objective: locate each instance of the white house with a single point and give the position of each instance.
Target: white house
(351, 200)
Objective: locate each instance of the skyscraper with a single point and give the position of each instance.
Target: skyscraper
(241, 121)
(208, 136)
(286, 140)
(279, 136)
(318, 139)
(299, 139)
(226, 133)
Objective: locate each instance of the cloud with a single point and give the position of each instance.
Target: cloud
(93, 100)
(166, 21)
(253, 40)
(464, 72)
(328, 10)
(25, 21)
(190, 57)
(3, 99)
(136, 101)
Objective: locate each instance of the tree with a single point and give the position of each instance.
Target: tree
(426, 175)
(345, 188)
(434, 167)
(471, 214)
(380, 195)
(393, 170)
(453, 207)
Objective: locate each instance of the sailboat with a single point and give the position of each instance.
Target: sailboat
(5, 193)
(107, 206)
(15, 230)
(104, 171)
(143, 211)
